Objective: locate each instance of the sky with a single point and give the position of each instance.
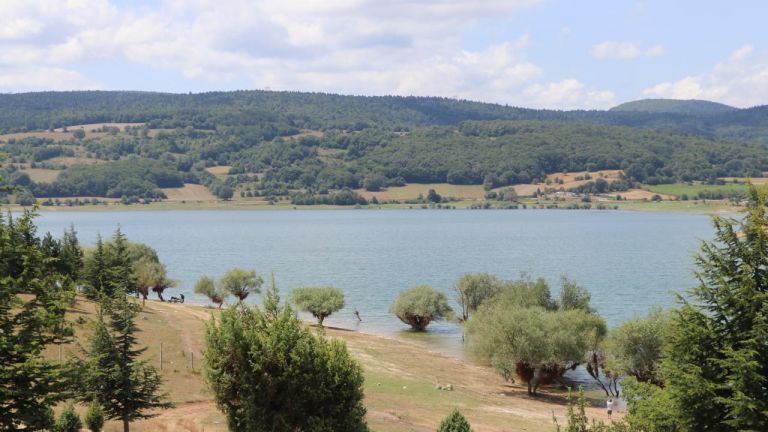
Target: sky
(559, 54)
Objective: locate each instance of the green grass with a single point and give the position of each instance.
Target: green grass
(692, 190)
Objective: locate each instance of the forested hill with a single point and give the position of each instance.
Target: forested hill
(310, 146)
(36, 111)
(675, 106)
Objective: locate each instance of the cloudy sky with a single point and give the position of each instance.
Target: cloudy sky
(538, 53)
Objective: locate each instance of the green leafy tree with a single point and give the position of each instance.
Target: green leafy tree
(374, 182)
(715, 365)
(577, 421)
(420, 305)
(269, 373)
(455, 422)
(68, 420)
(573, 296)
(207, 287)
(473, 289)
(94, 417)
(635, 347)
(240, 283)
(321, 302)
(522, 326)
(126, 387)
(33, 302)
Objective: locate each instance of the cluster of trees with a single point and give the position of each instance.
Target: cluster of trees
(38, 279)
(237, 282)
(376, 143)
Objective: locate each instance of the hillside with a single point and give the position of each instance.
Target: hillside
(675, 106)
(312, 148)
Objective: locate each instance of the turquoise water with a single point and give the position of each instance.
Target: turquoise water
(630, 261)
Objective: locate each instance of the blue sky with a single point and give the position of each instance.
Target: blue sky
(539, 53)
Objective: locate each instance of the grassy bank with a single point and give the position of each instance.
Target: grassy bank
(400, 378)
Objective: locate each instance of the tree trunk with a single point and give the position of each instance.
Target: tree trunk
(160, 295)
(126, 425)
(320, 320)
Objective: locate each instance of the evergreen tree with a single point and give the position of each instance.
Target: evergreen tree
(94, 417)
(716, 362)
(29, 383)
(455, 422)
(120, 264)
(96, 272)
(71, 255)
(125, 386)
(68, 421)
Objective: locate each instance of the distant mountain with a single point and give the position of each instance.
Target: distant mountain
(676, 106)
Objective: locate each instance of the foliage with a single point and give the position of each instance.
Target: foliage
(68, 420)
(420, 305)
(523, 326)
(207, 287)
(151, 275)
(94, 417)
(650, 408)
(377, 142)
(455, 422)
(577, 420)
(240, 283)
(269, 373)
(110, 265)
(321, 302)
(473, 289)
(33, 301)
(715, 363)
(126, 387)
(635, 347)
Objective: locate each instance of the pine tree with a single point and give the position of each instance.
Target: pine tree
(120, 265)
(716, 365)
(68, 421)
(125, 386)
(29, 383)
(71, 255)
(455, 422)
(96, 272)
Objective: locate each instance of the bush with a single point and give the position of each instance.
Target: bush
(68, 421)
(94, 417)
(321, 302)
(420, 305)
(269, 373)
(455, 422)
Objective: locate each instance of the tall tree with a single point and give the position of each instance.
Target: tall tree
(473, 289)
(126, 387)
(716, 362)
(71, 255)
(32, 306)
(96, 277)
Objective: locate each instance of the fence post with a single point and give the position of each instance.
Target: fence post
(161, 356)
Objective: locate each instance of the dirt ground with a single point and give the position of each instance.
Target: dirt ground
(400, 385)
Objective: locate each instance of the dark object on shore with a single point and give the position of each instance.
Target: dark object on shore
(179, 299)
(357, 314)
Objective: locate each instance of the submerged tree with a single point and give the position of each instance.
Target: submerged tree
(321, 302)
(420, 305)
(207, 287)
(473, 289)
(269, 373)
(126, 387)
(240, 283)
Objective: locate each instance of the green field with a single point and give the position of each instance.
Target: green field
(692, 190)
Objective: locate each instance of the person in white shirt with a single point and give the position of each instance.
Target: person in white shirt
(609, 405)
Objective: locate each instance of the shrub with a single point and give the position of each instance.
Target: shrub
(269, 373)
(420, 305)
(68, 421)
(455, 422)
(94, 417)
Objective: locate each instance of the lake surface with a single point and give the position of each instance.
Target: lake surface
(629, 261)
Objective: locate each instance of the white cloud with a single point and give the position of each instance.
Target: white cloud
(347, 46)
(624, 50)
(568, 94)
(740, 80)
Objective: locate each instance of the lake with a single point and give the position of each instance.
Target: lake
(629, 261)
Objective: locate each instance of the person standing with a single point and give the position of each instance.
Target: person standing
(609, 405)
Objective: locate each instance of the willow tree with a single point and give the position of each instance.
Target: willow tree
(321, 302)
(420, 305)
